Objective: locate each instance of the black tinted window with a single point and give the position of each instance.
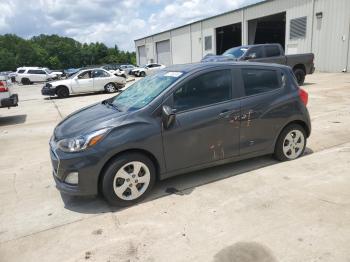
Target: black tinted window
(209, 88)
(258, 81)
(21, 71)
(272, 50)
(37, 72)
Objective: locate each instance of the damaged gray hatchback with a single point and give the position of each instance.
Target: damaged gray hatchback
(181, 119)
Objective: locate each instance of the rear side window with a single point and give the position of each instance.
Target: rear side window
(36, 72)
(258, 81)
(206, 89)
(272, 50)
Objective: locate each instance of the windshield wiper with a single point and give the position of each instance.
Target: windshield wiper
(109, 103)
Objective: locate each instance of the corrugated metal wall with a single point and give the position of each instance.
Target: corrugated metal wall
(327, 37)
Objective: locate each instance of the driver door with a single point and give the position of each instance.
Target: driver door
(206, 127)
(83, 83)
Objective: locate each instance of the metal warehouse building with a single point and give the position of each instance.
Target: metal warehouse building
(300, 26)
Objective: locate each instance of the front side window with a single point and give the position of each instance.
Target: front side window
(255, 52)
(258, 81)
(21, 71)
(206, 89)
(145, 90)
(85, 75)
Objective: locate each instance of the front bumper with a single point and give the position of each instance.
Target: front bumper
(10, 101)
(46, 91)
(86, 164)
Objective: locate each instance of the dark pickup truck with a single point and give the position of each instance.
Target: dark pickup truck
(302, 64)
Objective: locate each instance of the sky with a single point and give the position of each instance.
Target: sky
(108, 21)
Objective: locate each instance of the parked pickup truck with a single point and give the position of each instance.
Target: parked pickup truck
(7, 99)
(302, 64)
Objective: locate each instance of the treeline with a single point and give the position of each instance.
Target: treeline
(56, 52)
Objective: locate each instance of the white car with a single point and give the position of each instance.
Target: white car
(147, 69)
(29, 75)
(7, 99)
(85, 81)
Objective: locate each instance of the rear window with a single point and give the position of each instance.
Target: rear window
(257, 81)
(272, 50)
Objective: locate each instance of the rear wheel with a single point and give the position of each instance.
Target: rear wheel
(110, 88)
(291, 143)
(299, 75)
(128, 179)
(62, 92)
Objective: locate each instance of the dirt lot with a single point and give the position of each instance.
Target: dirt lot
(255, 210)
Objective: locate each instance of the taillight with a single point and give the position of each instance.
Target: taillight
(304, 96)
(3, 87)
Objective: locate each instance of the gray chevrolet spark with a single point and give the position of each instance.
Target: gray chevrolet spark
(181, 119)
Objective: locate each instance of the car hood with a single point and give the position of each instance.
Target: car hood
(218, 58)
(88, 119)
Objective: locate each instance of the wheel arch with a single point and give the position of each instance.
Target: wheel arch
(62, 86)
(299, 66)
(298, 122)
(135, 150)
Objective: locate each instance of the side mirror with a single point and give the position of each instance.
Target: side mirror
(168, 116)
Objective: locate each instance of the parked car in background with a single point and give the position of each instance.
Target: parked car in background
(127, 68)
(146, 69)
(84, 81)
(7, 98)
(301, 64)
(115, 70)
(71, 71)
(29, 75)
(180, 119)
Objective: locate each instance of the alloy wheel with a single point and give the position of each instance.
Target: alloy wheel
(293, 144)
(131, 180)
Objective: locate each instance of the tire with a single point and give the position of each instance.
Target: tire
(120, 186)
(142, 74)
(299, 75)
(25, 81)
(111, 88)
(291, 143)
(62, 92)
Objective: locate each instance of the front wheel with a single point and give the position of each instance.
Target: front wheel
(128, 179)
(62, 92)
(291, 143)
(142, 74)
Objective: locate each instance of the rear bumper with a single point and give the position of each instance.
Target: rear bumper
(312, 70)
(9, 102)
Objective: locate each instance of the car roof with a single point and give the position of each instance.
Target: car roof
(200, 66)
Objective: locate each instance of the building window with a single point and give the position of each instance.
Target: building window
(208, 43)
(298, 28)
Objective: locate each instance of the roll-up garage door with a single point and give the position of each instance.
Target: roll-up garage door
(142, 55)
(163, 52)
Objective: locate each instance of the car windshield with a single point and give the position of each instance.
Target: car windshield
(145, 91)
(236, 52)
(74, 75)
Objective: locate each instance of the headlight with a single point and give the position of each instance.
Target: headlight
(77, 144)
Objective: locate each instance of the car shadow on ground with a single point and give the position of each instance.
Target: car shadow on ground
(12, 120)
(180, 185)
(308, 84)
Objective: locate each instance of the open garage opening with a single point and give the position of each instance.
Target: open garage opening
(227, 37)
(268, 29)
